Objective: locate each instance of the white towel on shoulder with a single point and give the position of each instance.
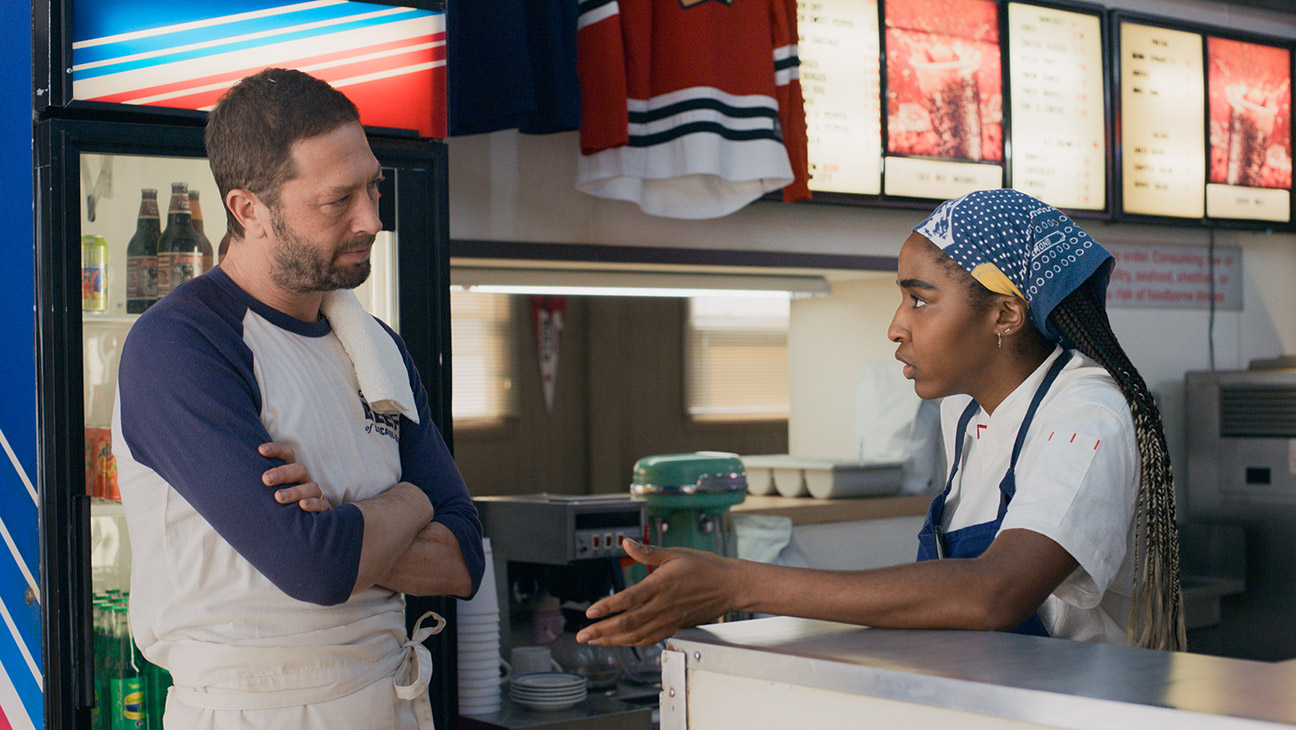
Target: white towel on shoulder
(384, 381)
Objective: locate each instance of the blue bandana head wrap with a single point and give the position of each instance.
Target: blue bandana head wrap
(1015, 244)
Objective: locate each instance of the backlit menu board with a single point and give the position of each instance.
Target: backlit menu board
(1249, 97)
(1058, 105)
(1163, 138)
(944, 101)
(841, 81)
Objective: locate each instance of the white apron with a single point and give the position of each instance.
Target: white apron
(390, 693)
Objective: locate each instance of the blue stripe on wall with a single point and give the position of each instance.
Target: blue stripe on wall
(101, 18)
(17, 515)
(202, 53)
(12, 664)
(215, 32)
(27, 618)
(18, 360)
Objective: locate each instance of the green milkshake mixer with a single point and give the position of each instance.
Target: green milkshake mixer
(689, 496)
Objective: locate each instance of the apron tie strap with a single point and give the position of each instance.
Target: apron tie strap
(416, 671)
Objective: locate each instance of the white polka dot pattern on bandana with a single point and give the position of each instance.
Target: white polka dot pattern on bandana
(1037, 247)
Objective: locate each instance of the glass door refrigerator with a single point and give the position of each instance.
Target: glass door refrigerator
(107, 169)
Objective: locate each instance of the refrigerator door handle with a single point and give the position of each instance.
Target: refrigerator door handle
(83, 615)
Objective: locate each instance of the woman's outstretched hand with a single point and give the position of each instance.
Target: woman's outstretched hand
(687, 588)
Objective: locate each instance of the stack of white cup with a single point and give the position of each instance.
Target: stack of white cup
(479, 646)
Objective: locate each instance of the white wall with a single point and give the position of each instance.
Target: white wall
(511, 187)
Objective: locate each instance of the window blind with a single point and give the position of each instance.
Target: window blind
(736, 361)
(482, 366)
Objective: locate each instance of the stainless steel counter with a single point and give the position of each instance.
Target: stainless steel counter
(1023, 680)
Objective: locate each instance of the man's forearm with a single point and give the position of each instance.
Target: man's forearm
(392, 521)
(432, 566)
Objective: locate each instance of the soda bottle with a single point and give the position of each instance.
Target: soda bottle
(127, 708)
(98, 713)
(179, 250)
(195, 210)
(156, 682)
(141, 255)
(94, 273)
(105, 661)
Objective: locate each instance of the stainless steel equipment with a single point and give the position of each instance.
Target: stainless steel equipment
(568, 547)
(787, 672)
(1242, 472)
(557, 530)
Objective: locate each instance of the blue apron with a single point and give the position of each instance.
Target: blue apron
(972, 541)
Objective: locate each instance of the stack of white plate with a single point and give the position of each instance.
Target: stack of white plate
(479, 646)
(548, 690)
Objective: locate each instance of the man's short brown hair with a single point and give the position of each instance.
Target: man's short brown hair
(251, 131)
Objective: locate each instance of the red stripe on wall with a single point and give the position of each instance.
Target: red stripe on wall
(4, 721)
(403, 102)
(230, 77)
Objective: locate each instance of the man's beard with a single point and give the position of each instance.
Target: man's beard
(302, 268)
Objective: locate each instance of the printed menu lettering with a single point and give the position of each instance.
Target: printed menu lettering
(1058, 109)
(1163, 137)
(840, 78)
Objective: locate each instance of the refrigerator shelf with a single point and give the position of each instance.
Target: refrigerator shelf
(102, 318)
(100, 507)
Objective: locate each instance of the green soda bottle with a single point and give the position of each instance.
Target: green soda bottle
(100, 670)
(156, 682)
(127, 706)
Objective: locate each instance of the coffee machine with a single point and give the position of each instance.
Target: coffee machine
(553, 550)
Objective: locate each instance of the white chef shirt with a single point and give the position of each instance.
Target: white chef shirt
(1077, 484)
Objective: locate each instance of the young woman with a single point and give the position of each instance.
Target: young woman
(1058, 514)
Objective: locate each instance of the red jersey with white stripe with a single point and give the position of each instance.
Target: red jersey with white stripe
(690, 108)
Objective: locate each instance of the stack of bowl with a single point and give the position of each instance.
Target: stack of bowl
(479, 646)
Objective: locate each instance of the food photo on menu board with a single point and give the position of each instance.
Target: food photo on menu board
(944, 95)
(1249, 97)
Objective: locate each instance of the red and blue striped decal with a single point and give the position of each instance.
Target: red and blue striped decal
(389, 60)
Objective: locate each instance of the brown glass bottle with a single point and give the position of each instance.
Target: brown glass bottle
(195, 210)
(141, 255)
(179, 250)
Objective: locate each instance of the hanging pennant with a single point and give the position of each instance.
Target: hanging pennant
(547, 314)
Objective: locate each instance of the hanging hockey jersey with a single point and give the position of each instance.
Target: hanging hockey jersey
(690, 108)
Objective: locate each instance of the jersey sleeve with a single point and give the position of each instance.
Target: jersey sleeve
(426, 463)
(791, 101)
(189, 409)
(601, 68)
(1078, 486)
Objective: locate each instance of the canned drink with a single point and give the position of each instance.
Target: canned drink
(94, 273)
(101, 465)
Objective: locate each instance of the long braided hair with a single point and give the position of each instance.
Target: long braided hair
(1156, 618)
